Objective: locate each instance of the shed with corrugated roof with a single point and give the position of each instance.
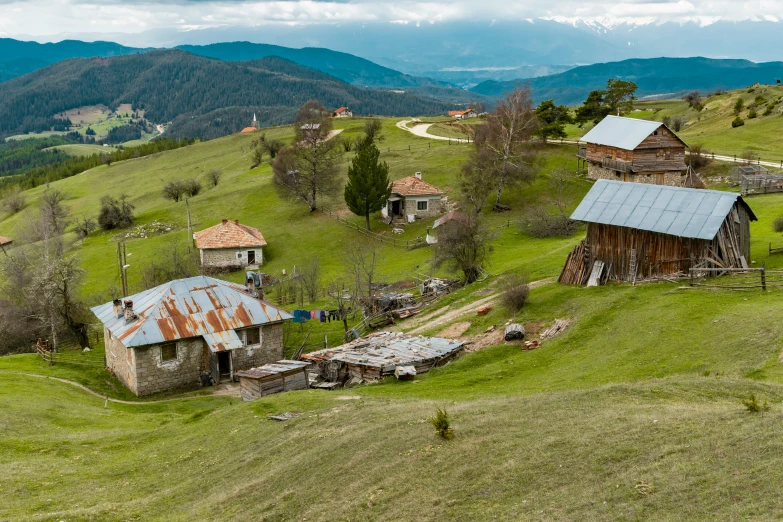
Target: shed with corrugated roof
(637, 231)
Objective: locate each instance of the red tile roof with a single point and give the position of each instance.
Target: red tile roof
(341, 110)
(413, 186)
(5, 240)
(460, 113)
(229, 234)
(249, 129)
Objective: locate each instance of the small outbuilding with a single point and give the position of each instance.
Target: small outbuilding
(411, 198)
(272, 378)
(343, 112)
(634, 150)
(230, 245)
(640, 232)
(176, 333)
(5, 243)
(463, 114)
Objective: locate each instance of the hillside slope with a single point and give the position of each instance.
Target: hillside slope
(653, 76)
(176, 85)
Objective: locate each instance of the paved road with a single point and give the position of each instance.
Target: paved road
(421, 131)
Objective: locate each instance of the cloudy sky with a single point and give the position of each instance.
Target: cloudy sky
(40, 19)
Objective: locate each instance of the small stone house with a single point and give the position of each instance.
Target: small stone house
(343, 112)
(230, 245)
(639, 151)
(412, 198)
(182, 331)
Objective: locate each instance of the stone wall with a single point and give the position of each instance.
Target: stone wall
(433, 206)
(270, 350)
(672, 179)
(120, 361)
(227, 257)
(154, 375)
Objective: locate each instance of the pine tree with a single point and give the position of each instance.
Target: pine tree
(368, 185)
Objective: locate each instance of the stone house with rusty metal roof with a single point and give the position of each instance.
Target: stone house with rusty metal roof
(230, 245)
(175, 333)
(630, 149)
(412, 198)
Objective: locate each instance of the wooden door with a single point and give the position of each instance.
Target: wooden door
(251, 257)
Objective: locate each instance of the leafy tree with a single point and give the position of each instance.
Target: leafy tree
(213, 177)
(620, 95)
(115, 213)
(737, 122)
(739, 105)
(694, 100)
(368, 186)
(89, 132)
(307, 170)
(552, 120)
(593, 109)
(463, 245)
(174, 190)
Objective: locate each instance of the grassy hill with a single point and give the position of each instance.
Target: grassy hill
(652, 75)
(633, 413)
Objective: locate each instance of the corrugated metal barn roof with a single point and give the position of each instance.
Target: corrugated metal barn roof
(195, 307)
(683, 212)
(623, 133)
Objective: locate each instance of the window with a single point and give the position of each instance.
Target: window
(168, 352)
(421, 205)
(252, 336)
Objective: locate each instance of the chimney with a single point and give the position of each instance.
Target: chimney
(129, 311)
(225, 221)
(117, 308)
(236, 221)
(418, 175)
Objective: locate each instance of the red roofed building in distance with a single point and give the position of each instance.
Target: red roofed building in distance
(463, 115)
(230, 244)
(411, 198)
(343, 112)
(254, 127)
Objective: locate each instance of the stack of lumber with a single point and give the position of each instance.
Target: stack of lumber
(272, 378)
(575, 270)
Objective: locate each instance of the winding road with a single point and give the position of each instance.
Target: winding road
(421, 130)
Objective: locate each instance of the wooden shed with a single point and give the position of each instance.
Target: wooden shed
(272, 378)
(639, 232)
(634, 150)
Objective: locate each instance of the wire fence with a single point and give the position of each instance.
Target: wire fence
(405, 243)
(736, 278)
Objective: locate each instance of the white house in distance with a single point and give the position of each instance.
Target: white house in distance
(412, 198)
(463, 115)
(230, 245)
(343, 112)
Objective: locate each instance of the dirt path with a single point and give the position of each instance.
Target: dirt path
(444, 316)
(421, 131)
(217, 393)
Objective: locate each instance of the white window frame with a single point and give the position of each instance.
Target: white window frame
(426, 205)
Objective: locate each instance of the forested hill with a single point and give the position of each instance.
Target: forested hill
(653, 76)
(18, 58)
(180, 87)
(347, 67)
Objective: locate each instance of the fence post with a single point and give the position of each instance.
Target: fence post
(763, 276)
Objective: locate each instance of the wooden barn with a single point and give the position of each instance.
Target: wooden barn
(645, 232)
(639, 151)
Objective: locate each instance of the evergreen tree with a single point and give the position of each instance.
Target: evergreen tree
(368, 185)
(552, 120)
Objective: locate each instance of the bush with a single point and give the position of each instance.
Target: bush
(14, 201)
(84, 228)
(540, 223)
(213, 177)
(738, 122)
(677, 123)
(191, 187)
(769, 110)
(174, 190)
(115, 213)
(515, 292)
(752, 114)
(698, 157)
(754, 406)
(739, 105)
(441, 423)
(777, 225)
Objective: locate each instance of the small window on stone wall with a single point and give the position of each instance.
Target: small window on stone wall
(168, 352)
(252, 336)
(421, 205)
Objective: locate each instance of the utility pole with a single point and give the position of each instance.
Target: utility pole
(122, 258)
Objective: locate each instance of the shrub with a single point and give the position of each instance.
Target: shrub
(84, 228)
(777, 225)
(769, 110)
(739, 105)
(698, 157)
(174, 190)
(677, 123)
(738, 122)
(115, 213)
(541, 223)
(441, 423)
(753, 405)
(14, 201)
(191, 187)
(213, 177)
(515, 292)
(752, 114)
(667, 120)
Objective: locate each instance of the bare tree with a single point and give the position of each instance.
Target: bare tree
(53, 214)
(503, 148)
(14, 201)
(372, 129)
(308, 169)
(475, 185)
(172, 262)
(213, 177)
(310, 278)
(361, 263)
(550, 218)
(463, 245)
(343, 299)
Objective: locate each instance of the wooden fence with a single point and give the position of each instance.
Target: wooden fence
(68, 357)
(405, 243)
(737, 278)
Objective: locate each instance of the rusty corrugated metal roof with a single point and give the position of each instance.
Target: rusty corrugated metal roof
(188, 308)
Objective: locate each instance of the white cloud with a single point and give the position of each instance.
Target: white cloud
(49, 17)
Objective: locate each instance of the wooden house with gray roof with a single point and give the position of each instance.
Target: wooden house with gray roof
(638, 151)
(639, 232)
